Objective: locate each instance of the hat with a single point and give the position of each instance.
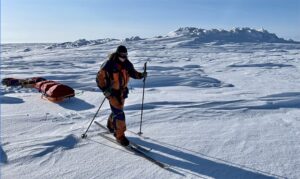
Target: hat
(121, 49)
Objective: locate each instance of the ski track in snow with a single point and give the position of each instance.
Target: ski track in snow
(211, 111)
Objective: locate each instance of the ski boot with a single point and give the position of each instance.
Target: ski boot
(123, 141)
(110, 125)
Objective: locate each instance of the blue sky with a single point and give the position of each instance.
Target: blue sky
(69, 20)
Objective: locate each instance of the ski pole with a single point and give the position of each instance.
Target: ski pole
(84, 135)
(145, 69)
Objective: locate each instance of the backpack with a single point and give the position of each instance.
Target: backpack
(110, 73)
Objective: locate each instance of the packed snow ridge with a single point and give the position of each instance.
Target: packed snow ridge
(84, 42)
(194, 36)
(235, 35)
(80, 43)
(134, 38)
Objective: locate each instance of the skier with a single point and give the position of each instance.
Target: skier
(112, 79)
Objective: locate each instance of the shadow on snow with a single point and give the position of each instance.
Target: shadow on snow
(66, 143)
(10, 100)
(270, 102)
(76, 104)
(3, 156)
(199, 165)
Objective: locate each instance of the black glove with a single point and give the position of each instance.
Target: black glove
(107, 93)
(144, 74)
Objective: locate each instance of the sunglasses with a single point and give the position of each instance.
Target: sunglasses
(123, 55)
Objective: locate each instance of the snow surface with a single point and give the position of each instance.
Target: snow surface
(212, 110)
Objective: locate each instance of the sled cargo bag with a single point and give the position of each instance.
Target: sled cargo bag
(39, 85)
(11, 82)
(30, 82)
(46, 86)
(59, 92)
(54, 91)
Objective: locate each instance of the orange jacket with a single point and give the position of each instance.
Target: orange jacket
(114, 75)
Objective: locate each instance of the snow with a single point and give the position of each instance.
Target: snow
(212, 110)
(135, 38)
(236, 35)
(79, 43)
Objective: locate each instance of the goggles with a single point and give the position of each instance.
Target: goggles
(123, 55)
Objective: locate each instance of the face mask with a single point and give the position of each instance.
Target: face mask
(122, 59)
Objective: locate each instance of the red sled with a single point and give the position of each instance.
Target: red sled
(54, 91)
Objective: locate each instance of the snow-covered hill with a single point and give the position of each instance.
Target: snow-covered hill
(80, 43)
(193, 36)
(212, 110)
(236, 35)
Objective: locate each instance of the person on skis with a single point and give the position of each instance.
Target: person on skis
(112, 79)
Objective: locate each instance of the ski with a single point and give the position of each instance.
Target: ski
(131, 143)
(133, 148)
